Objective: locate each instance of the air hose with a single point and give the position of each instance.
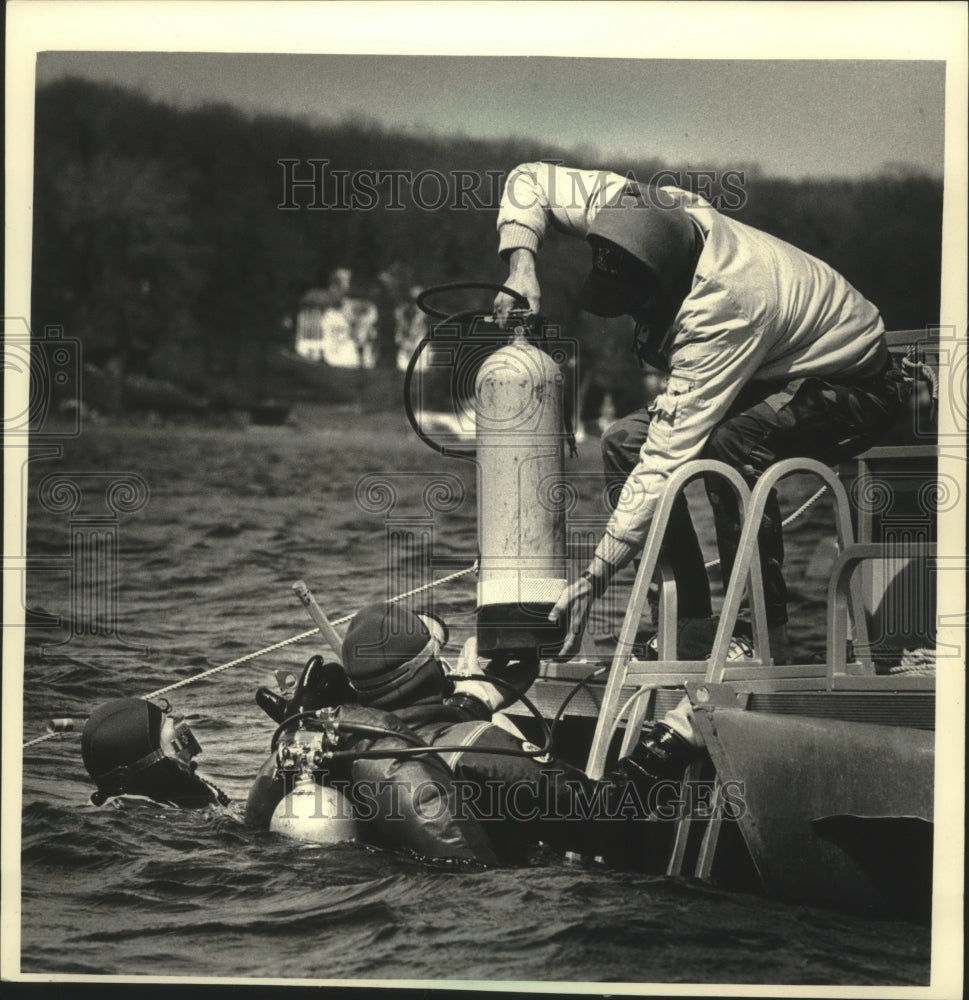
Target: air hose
(446, 320)
(524, 316)
(418, 748)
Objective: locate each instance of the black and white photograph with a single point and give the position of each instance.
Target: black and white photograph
(484, 497)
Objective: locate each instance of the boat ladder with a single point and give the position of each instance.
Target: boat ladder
(632, 684)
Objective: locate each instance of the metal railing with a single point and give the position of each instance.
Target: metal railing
(746, 578)
(666, 670)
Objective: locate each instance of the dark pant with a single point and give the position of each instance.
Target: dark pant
(769, 421)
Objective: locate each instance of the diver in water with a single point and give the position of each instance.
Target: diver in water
(133, 750)
(421, 769)
(486, 794)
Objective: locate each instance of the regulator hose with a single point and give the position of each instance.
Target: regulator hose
(464, 286)
(418, 748)
(353, 727)
(447, 319)
(581, 683)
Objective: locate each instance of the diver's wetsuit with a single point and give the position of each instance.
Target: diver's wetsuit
(486, 806)
(398, 802)
(458, 802)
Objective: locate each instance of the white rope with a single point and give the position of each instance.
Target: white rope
(303, 635)
(41, 739)
(232, 663)
(272, 649)
(916, 661)
(282, 644)
(807, 505)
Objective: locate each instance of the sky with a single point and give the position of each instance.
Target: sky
(792, 118)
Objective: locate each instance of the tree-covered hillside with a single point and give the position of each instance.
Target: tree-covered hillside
(160, 242)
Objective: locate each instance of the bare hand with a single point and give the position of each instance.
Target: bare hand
(523, 279)
(575, 603)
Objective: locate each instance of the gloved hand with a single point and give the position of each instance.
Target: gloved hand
(321, 685)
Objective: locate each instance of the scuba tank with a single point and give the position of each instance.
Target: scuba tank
(291, 794)
(519, 436)
(520, 433)
(309, 810)
(315, 813)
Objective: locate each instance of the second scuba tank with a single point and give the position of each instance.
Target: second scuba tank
(314, 813)
(521, 530)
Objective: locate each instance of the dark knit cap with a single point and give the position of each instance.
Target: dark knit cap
(643, 247)
(390, 657)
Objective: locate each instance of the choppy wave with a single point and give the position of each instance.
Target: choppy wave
(205, 576)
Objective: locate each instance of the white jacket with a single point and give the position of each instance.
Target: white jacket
(759, 309)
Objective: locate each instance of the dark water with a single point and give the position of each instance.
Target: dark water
(233, 517)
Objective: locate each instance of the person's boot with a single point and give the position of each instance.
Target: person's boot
(661, 755)
(695, 636)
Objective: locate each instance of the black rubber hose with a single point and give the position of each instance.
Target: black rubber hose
(582, 683)
(456, 452)
(417, 747)
(448, 319)
(461, 286)
(360, 727)
(494, 751)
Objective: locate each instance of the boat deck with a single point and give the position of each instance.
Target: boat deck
(889, 700)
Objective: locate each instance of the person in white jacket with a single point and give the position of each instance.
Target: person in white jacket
(770, 353)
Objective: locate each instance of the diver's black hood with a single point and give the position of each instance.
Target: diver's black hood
(122, 752)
